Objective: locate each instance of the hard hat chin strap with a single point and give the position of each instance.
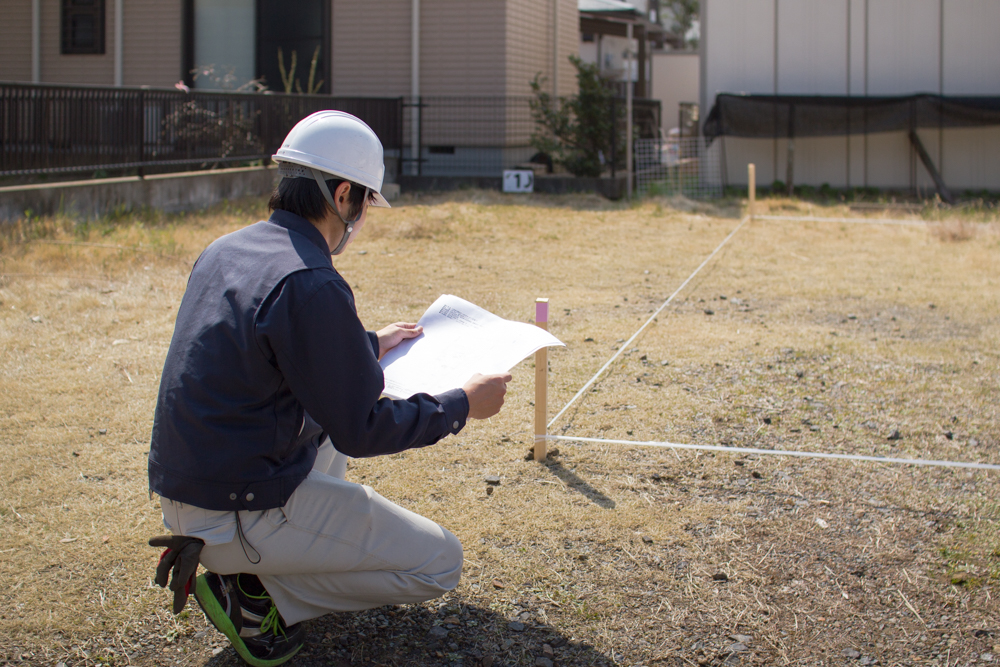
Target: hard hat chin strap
(348, 224)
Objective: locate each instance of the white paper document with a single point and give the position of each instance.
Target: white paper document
(459, 340)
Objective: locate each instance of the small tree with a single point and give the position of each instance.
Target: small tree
(575, 131)
(679, 16)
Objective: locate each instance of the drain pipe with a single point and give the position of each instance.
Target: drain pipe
(36, 41)
(415, 85)
(628, 113)
(119, 41)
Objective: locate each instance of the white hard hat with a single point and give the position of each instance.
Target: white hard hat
(338, 144)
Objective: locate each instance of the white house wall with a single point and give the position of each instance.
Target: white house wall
(822, 47)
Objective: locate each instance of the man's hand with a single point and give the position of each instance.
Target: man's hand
(394, 334)
(486, 394)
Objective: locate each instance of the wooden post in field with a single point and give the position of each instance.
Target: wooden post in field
(541, 381)
(752, 189)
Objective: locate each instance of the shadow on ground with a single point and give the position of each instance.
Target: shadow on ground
(577, 483)
(452, 634)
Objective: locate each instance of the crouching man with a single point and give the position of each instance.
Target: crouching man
(270, 383)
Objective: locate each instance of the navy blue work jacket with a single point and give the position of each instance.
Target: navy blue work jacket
(267, 358)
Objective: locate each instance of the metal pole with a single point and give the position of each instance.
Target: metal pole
(628, 112)
(790, 161)
(940, 87)
(847, 170)
(36, 41)
(555, 50)
(541, 381)
(864, 166)
(119, 42)
(415, 83)
(600, 67)
(614, 137)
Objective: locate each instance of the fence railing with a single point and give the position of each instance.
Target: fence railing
(678, 166)
(466, 136)
(482, 136)
(51, 129)
(54, 129)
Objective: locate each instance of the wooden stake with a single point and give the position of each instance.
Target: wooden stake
(752, 189)
(541, 382)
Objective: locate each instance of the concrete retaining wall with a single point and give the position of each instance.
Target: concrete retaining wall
(173, 193)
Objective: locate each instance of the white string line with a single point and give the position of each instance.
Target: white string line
(626, 344)
(856, 221)
(783, 452)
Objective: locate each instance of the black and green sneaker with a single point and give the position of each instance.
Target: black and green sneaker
(250, 622)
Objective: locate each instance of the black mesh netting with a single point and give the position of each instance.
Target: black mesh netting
(769, 116)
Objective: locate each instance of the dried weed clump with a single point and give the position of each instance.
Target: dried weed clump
(954, 230)
(811, 336)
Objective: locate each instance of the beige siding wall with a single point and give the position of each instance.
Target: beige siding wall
(569, 45)
(15, 41)
(529, 44)
(487, 47)
(462, 47)
(675, 79)
(152, 45)
(371, 47)
(77, 68)
(152, 42)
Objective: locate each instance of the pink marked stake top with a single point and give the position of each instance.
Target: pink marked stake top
(541, 310)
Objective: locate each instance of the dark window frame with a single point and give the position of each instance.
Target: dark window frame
(187, 42)
(71, 9)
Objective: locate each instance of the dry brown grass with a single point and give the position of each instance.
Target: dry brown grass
(822, 336)
(954, 230)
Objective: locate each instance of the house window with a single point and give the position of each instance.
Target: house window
(82, 26)
(300, 32)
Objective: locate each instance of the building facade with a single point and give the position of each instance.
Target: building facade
(856, 48)
(361, 47)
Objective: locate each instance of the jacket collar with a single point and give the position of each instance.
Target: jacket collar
(297, 223)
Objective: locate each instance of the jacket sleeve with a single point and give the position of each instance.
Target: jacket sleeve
(310, 330)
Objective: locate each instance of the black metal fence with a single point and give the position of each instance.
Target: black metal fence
(466, 136)
(51, 129)
(482, 136)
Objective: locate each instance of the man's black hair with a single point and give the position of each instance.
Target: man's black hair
(302, 197)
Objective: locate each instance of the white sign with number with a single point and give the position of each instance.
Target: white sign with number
(518, 180)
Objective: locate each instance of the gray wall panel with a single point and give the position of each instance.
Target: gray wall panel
(971, 47)
(741, 47)
(812, 47)
(903, 47)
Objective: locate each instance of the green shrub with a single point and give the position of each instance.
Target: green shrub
(575, 130)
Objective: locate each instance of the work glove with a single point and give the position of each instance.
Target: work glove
(181, 555)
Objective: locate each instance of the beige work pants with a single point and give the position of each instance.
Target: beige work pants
(340, 546)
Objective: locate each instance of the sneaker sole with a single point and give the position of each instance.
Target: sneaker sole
(218, 617)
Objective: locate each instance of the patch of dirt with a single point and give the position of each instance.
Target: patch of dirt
(605, 554)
